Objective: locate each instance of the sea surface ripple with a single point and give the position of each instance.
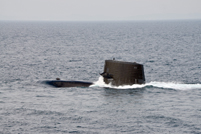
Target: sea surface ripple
(32, 52)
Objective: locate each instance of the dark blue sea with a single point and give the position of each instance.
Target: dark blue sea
(34, 52)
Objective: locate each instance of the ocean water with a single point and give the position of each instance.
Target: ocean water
(33, 52)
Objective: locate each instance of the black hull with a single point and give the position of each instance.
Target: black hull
(116, 73)
(60, 83)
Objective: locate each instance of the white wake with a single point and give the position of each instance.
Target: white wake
(174, 85)
(168, 85)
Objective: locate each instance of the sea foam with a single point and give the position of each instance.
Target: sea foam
(165, 85)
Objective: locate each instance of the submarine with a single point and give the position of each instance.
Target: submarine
(116, 73)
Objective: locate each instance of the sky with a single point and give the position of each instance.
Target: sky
(99, 10)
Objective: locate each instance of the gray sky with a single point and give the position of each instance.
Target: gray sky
(99, 10)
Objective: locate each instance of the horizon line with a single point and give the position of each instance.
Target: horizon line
(102, 20)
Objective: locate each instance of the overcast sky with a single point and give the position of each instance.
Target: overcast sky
(99, 10)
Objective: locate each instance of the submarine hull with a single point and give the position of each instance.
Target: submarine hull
(116, 73)
(61, 83)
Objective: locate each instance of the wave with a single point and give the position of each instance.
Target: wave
(174, 85)
(166, 85)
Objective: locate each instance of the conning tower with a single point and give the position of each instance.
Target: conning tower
(120, 73)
